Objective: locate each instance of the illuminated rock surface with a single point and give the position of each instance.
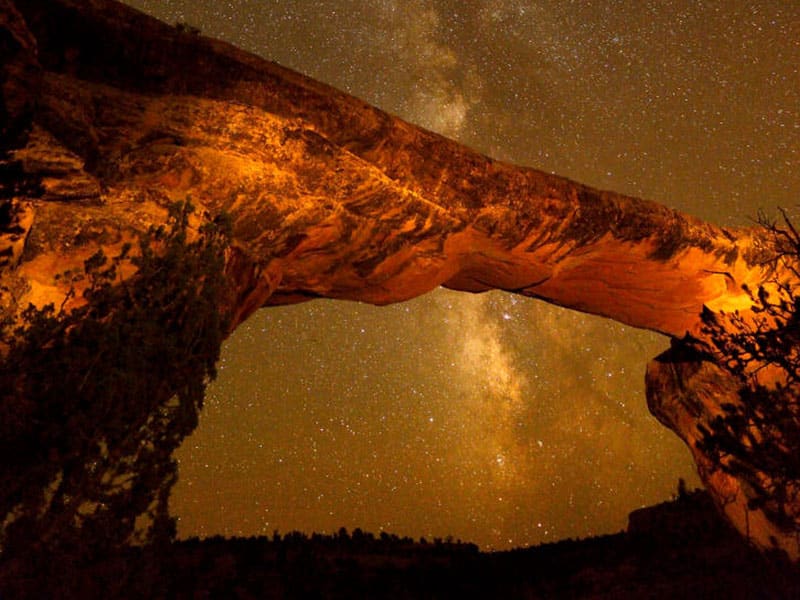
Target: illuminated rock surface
(108, 116)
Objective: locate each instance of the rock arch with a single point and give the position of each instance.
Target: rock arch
(108, 115)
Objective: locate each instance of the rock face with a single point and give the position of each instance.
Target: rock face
(107, 116)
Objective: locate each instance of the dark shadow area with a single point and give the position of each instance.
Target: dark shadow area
(678, 549)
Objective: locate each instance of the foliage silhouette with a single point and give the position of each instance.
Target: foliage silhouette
(680, 549)
(93, 402)
(757, 438)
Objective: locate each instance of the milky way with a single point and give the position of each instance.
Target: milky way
(495, 419)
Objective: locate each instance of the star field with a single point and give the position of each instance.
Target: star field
(492, 418)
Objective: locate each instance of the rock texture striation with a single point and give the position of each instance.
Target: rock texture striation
(107, 116)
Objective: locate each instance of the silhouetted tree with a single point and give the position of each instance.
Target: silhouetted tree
(94, 401)
(757, 438)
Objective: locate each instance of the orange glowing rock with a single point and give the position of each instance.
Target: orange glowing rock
(107, 122)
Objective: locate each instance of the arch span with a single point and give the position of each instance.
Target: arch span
(109, 115)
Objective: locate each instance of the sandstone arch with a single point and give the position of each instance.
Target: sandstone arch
(109, 115)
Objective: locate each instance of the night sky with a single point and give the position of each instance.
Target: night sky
(492, 418)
